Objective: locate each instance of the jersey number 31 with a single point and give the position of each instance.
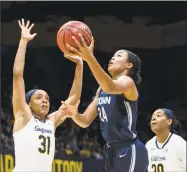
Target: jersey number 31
(45, 144)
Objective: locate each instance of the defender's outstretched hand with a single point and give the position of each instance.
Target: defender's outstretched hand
(25, 30)
(73, 58)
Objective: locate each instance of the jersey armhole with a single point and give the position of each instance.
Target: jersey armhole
(17, 132)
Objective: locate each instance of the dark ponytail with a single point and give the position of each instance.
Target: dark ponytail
(177, 128)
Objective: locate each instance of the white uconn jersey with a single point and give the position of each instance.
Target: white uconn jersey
(169, 156)
(34, 147)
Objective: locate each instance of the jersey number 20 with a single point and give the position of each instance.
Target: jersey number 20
(45, 144)
(158, 168)
(102, 114)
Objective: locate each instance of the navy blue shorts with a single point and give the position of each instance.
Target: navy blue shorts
(129, 158)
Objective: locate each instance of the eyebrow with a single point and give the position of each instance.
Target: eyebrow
(39, 94)
(157, 113)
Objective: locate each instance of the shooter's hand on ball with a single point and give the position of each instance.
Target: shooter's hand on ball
(25, 30)
(85, 52)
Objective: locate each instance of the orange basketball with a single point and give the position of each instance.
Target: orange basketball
(73, 28)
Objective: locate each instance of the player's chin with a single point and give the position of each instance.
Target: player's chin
(110, 69)
(44, 112)
(154, 128)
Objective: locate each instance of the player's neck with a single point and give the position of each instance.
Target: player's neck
(162, 136)
(39, 118)
(118, 75)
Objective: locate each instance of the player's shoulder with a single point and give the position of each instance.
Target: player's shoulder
(177, 139)
(150, 142)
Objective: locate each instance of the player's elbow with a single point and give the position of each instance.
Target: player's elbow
(17, 73)
(85, 125)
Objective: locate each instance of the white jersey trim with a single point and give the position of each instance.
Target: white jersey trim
(133, 158)
(129, 114)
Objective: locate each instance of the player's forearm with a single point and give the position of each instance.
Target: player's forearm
(57, 117)
(81, 120)
(76, 89)
(20, 58)
(103, 79)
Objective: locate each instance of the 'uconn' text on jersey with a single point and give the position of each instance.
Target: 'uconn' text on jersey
(117, 117)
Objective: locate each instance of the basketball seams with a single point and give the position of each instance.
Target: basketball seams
(85, 33)
(72, 35)
(61, 31)
(65, 34)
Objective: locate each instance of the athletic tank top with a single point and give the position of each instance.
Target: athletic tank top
(34, 146)
(117, 117)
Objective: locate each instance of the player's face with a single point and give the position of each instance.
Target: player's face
(39, 103)
(159, 121)
(119, 63)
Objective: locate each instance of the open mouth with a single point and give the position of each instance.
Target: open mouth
(44, 107)
(110, 63)
(153, 124)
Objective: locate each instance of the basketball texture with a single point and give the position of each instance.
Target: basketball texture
(73, 28)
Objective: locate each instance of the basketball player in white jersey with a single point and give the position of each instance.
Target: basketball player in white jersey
(34, 129)
(167, 150)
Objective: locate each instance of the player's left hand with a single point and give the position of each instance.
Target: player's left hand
(84, 51)
(73, 58)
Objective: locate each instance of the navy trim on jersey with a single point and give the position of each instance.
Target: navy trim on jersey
(156, 142)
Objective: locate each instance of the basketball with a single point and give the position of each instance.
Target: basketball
(73, 28)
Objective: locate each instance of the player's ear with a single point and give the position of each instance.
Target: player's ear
(130, 65)
(169, 122)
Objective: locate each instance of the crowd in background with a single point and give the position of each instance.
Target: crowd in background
(161, 87)
(71, 140)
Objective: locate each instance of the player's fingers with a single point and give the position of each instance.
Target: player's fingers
(27, 25)
(63, 118)
(77, 104)
(68, 54)
(32, 25)
(22, 22)
(33, 35)
(72, 49)
(92, 43)
(82, 40)
(76, 42)
(62, 102)
(19, 24)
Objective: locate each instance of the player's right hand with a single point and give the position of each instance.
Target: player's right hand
(70, 110)
(25, 30)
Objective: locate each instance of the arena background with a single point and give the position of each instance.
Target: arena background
(156, 31)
